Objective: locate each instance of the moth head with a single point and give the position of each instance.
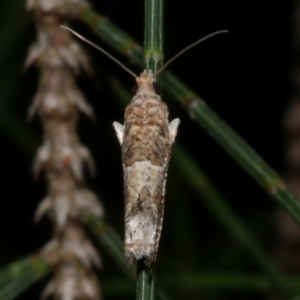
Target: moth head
(146, 80)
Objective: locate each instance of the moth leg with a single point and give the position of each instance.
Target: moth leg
(119, 129)
(173, 127)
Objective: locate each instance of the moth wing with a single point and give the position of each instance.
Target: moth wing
(161, 209)
(173, 127)
(119, 129)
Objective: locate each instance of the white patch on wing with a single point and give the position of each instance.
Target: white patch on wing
(141, 228)
(119, 129)
(173, 127)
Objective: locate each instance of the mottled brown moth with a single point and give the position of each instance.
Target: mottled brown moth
(146, 139)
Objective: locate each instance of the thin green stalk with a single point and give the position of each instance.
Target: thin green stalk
(14, 288)
(223, 213)
(153, 49)
(202, 114)
(13, 270)
(18, 276)
(145, 285)
(153, 60)
(207, 281)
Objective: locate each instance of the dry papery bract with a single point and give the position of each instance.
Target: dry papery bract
(55, 48)
(58, 95)
(63, 204)
(72, 243)
(66, 8)
(72, 282)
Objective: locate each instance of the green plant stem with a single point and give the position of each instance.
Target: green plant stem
(153, 49)
(206, 281)
(202, 114)
(145, 285)
(153, 60)
(18, 276)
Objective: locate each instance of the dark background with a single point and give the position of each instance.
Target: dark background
(244, 76)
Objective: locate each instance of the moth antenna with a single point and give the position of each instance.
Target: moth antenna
(187, 48)
(101, 50)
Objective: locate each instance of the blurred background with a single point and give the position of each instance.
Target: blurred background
(244, 76)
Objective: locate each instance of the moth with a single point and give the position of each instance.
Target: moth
(146, 139)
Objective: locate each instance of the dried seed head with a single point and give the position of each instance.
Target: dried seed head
(69, 7)
(55, 48)
(69, 244)
(62, 203)
(63, 156)
(58, 96)
(72, 283)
